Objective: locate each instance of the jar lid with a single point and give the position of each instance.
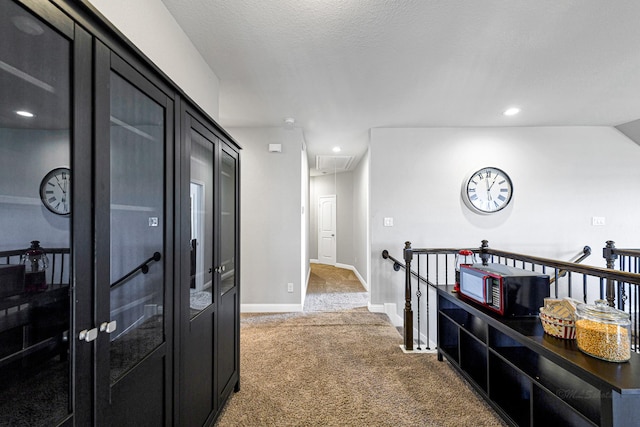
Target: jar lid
(603, 312)
(465, 252)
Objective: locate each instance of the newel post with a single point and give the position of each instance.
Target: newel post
(610, 256)
(484, 256)
(408, 312)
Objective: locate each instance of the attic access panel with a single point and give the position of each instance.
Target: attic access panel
(333, 163)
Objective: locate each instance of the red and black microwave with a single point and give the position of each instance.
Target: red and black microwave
(509, 291)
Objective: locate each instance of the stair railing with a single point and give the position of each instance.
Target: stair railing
(144, 268)
(624, 296)
(568, 278)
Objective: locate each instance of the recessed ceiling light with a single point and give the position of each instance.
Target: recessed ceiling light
(511, 111)
(24, 113)
(289, 121)
(336, 149)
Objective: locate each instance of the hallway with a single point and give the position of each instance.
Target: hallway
(334, 289)
(337, 364)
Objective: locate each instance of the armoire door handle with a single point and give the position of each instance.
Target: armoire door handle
(88, 335)
(108, 327)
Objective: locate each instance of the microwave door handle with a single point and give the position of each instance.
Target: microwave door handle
(488, 294)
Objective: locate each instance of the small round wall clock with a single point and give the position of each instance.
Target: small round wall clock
(55, 191)
(487, 190)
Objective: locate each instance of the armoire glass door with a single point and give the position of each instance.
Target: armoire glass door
(228, 304)
(133, 360)
(199, 295)
(36, 354)
(137, 225)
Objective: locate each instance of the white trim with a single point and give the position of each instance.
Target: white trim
(376, 308)
(355, 271)
(391, 310)
(314, 261)
(270, 308)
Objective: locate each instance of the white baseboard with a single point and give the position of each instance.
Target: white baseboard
(376, 308)
(355, 271)
(270, 308)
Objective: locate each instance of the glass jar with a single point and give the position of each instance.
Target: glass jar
(603, 332)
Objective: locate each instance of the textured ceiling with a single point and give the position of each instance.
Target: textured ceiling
(341, 67)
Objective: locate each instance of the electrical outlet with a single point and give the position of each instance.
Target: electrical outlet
(598, 220)
(289, 287)
(388, 222)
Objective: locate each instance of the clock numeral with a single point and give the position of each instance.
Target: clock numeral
(502, 198)
(504, 190)
(471, 190)
(473, 197)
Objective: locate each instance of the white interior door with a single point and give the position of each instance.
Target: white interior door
(327, 229)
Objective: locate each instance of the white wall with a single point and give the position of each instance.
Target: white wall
(361, 258)
(149, 25)
(271, 219)
(24, 217)
(562, 176)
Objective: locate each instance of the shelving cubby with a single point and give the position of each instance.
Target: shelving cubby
(530, 378)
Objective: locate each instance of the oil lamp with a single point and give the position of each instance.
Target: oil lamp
(35, 263)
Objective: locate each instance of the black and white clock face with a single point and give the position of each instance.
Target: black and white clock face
(488, 190)
(55, 191)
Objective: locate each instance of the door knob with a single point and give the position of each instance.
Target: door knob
(108, 327)
(88, 335)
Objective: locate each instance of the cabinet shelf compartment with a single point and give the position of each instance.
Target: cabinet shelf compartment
(550, 410)
(565, 386)
(473, 359)
(510, 389)
(467, 321)
(448, 333)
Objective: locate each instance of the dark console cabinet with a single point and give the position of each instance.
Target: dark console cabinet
(532, 379)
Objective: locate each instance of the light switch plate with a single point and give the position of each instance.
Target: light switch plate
(388, 222)
(598, 220)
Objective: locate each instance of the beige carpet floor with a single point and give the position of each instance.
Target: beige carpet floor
(343, 368)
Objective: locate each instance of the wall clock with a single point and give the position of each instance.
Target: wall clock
(487, 190)
(55, 191)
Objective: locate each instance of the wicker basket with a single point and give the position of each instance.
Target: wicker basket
(558, 327)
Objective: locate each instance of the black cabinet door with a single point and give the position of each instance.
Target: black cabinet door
(228, 342)
(134, 224)
(199, 288)
(208, 294)
(45, 283)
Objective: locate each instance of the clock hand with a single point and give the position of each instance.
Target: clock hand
(494, 181)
